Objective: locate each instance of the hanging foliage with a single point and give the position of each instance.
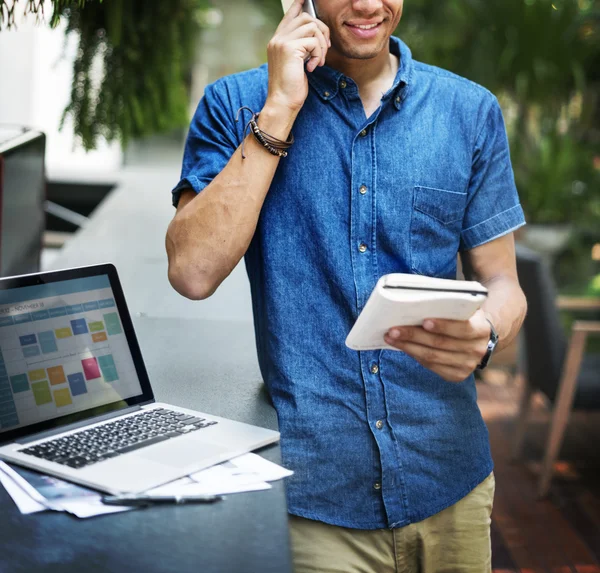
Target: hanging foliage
(131, 70)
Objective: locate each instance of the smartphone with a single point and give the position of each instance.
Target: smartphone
(308, 7)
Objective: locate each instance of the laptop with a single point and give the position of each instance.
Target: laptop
(75, 398)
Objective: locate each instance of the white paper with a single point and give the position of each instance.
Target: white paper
(253, 464)
(212, 481)
(249, 472)
(84, 509)
(22, 500)
(63, 495)
(22, 484)
(226, 487)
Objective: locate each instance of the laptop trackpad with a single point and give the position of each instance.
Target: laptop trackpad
(181, 452)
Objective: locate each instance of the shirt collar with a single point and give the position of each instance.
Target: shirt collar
(327, 82)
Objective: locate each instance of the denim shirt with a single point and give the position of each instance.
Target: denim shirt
(375, 439)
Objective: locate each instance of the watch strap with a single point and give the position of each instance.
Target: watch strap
(492, 343)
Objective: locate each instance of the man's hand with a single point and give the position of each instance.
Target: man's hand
(298, 37)
(451, 348)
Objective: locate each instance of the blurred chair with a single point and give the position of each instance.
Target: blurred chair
(549, 364)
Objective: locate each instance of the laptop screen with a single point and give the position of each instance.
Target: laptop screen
(64, 350)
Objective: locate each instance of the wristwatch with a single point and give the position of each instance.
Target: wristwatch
(493, 342)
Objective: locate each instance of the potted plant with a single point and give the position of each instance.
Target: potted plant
(131, 72)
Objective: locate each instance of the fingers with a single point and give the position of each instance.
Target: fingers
(289, 23)
(312, 29)
(310, 46)
(451, 366)
(453, 358)
(419, 335)
(476, 327)
(325, 30)
(297, 24)
(325, 40)
(435, 357)
(293, 11)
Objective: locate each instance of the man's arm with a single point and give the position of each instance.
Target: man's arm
(211, 232)
(454, 349)
(494, 266)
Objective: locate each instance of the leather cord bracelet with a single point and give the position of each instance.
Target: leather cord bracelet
(272, 144)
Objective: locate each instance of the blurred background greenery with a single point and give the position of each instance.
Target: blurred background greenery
(145, 50)
(541, 58)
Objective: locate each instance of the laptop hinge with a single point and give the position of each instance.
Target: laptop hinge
(77, 425)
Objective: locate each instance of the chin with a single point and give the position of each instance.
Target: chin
(361, 52)
(351, 48)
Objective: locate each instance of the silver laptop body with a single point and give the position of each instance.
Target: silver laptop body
(75, 398)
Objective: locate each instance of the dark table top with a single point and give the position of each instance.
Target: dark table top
(203, 364)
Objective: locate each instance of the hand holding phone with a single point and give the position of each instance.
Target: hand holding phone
(299, 38)
(308, 7)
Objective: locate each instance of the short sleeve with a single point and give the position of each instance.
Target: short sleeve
(493, 207)
(212, 140)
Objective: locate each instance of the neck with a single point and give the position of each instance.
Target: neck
(381, 68)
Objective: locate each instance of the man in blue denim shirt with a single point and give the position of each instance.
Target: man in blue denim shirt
(397, 166)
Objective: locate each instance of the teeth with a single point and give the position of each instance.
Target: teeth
(368, 27)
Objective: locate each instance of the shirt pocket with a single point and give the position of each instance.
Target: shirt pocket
(436, 224)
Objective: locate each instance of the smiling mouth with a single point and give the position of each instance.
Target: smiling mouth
(364, 31)
(364, 26)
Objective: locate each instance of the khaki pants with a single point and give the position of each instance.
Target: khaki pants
(456, 540)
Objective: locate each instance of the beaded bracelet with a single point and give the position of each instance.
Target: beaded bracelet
(272, 144)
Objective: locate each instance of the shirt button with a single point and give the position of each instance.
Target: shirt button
(374, 369)
(343, 84)
(363, 189)
(326, 94)
(398, 99)
(379, 424)
(362, 248)
(377, 486)
(363, 133)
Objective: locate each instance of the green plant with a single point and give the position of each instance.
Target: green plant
(7, 11)
(539, 51)
(143, 51)
(556, 177)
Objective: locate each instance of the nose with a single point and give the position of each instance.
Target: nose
(366, 6)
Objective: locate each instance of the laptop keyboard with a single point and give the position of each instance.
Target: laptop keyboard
(100, 443)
